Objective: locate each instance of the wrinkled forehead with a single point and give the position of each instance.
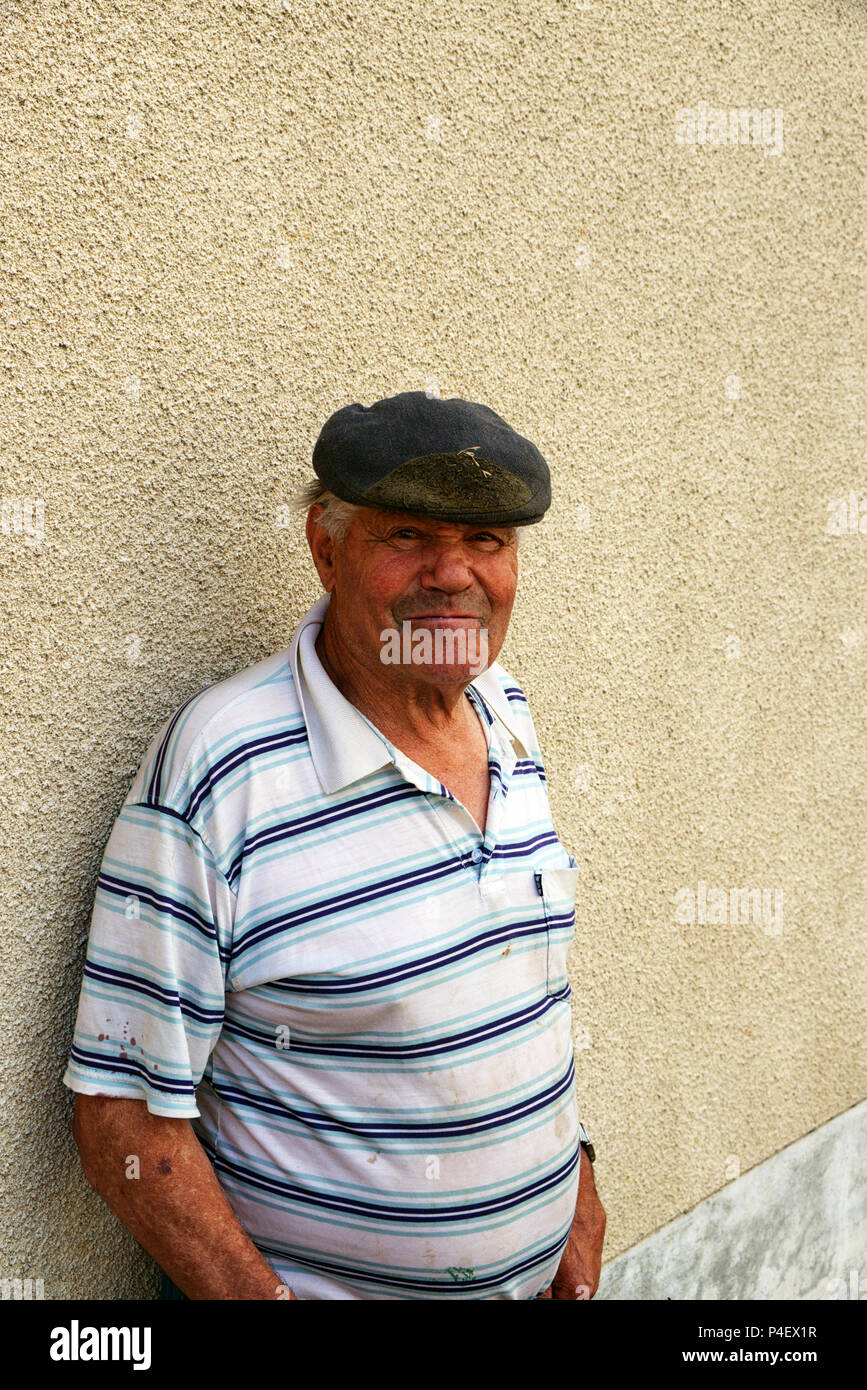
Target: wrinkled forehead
(380, 520)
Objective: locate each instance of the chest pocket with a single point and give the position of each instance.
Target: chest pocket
(558, 888)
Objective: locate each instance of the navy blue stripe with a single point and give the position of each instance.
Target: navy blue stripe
(244, 753)
(413, 1283)
(421, 965)
(324, 907)
(133, 1067)
(519, 849)
(393, 1129)
(103, 975)
(478, 701)
(407, 1215)
(396, 1051)
(169, 811)
(123, 888)
(154, 787)
(420, 1286)
(529, 769)
(288, 829)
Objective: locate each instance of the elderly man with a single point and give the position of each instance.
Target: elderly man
(323, 1047)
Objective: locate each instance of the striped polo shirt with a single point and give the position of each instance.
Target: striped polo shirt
(302, 942)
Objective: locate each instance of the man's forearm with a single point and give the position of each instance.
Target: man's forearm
(589, 1211)
(175, 1207)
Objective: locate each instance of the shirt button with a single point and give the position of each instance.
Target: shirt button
(476, 855)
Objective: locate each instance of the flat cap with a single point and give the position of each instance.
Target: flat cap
(450, 459)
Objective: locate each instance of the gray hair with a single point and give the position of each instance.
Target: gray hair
(336, 515)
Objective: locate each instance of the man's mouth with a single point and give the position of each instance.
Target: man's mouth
(445, 619)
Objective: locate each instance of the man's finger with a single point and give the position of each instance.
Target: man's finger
(571, 1292)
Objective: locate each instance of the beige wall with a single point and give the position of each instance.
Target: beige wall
(223, 221)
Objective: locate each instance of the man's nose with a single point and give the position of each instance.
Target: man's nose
(447, 567)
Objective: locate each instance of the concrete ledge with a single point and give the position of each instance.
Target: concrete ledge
(793, 1227)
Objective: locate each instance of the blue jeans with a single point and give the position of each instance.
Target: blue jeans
(168, 1290)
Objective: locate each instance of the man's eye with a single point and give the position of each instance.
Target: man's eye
(481, 540)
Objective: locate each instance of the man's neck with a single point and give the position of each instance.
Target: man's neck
(406, 709)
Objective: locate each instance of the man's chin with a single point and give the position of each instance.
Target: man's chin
(446, 674)
(446, 652)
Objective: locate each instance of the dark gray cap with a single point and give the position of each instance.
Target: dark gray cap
(449, 459)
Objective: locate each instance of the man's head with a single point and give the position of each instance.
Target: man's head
(394, 577)
(413, 526)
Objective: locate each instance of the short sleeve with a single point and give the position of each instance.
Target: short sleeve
(153, 996)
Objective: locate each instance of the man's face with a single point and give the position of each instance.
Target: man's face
(396, 567)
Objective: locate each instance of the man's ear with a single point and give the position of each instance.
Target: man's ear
(321, 548)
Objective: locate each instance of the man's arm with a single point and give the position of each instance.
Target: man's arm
(579, 1270)
(175, 1208)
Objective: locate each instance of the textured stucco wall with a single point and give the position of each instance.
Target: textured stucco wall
(222, 221)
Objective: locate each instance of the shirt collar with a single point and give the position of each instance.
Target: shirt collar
(343, 745)
(489, 687)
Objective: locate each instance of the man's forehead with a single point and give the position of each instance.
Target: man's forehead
(377, 519)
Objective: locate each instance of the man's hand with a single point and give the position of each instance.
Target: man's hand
(578, 1273)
